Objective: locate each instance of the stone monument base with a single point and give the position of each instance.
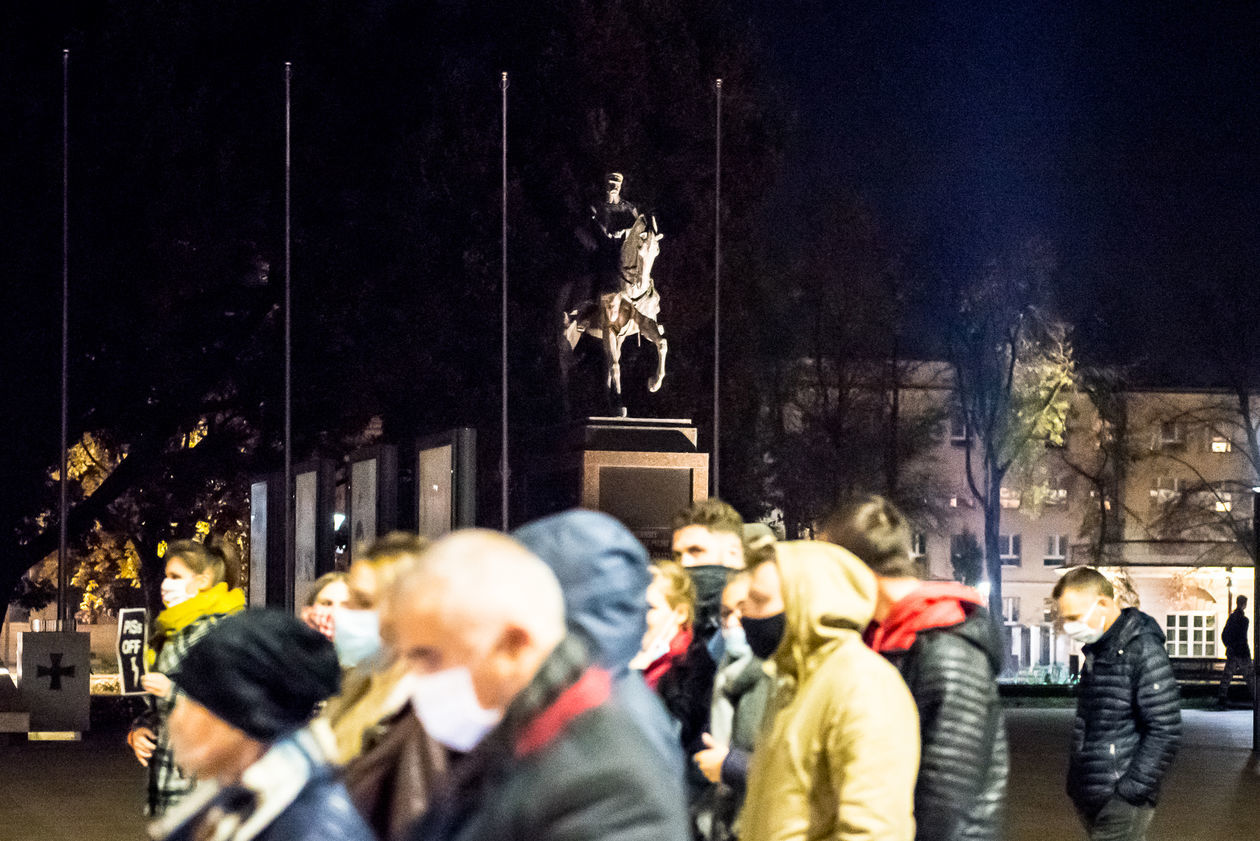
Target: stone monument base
(13, 715)
(640, 470)
(54, 679)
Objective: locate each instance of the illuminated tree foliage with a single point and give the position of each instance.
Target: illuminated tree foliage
(177, 236)
(1013, 368)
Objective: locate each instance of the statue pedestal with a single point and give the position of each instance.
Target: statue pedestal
(640, 470)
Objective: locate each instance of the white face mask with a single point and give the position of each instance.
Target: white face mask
(736, 642)
(356, 635)
(1081, 631)
(447, 706)
(175, 591)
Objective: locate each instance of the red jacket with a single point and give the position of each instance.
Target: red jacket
(677, 650)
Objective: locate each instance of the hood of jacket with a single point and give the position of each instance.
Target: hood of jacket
(603, 570)
(828, 596)
(934, 604)
(1129, 625)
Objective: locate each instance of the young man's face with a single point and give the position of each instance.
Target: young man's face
(765, 592)
(698, 546)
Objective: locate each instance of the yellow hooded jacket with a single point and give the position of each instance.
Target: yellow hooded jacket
(840, 756)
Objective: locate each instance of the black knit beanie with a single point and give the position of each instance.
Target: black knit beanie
(262, 671)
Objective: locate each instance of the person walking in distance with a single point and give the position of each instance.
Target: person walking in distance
(1128, 710)
(1237, 652)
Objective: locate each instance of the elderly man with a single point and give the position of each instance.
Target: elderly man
(495, 674)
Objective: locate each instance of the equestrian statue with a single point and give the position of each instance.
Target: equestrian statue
(624, 301)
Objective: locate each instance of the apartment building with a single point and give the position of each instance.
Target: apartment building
(1157, 493)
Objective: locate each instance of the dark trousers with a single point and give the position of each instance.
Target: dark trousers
(1234, 666)
(1118, 820)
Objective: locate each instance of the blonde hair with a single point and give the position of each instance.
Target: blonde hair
(217, 557)
(679, 589)
(322, 582)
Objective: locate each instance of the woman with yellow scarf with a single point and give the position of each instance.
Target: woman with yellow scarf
(198, 591)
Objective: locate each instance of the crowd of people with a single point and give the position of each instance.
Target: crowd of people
(557, 684)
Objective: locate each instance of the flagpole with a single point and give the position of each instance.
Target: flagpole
(717, 293)
(288, 346)
(63, 609)
(504, 468)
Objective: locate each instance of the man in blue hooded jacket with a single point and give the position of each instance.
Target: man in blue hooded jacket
(603, 572)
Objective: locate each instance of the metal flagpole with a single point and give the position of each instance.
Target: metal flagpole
(63, 611)
(504, 469)
(717, 294)
(288, 347)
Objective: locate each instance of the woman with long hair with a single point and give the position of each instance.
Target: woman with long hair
(198, 590)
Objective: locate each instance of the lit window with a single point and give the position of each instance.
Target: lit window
(1008, 549)
(1190, 634)
(1010, 608)
(1223, 502)
(1166, 488)
(958, 432)
(1221, 444)
(1056, 550)
(918, 545)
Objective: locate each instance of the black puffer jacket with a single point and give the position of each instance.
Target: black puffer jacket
(1128, 716)
(960, 794)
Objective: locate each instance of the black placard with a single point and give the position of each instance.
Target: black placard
(133, 630)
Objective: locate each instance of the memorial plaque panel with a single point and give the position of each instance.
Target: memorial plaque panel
(53, 677)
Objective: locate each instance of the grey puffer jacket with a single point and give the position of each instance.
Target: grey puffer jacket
(1128, 716)
(960, 794)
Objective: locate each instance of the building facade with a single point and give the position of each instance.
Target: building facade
(1154, 487)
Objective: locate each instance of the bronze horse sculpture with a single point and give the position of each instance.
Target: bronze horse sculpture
(630, 310)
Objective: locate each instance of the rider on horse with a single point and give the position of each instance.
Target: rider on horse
(612, 222)
(624, 300)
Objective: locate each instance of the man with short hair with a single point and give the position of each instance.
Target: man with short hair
(1237, 652)
(709, 533)
(496, 675)
(938, 634)
(709, 543)
(1128, 709)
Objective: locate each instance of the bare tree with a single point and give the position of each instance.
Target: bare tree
(1013, 369)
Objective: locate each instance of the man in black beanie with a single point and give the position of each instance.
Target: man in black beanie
(245, 693)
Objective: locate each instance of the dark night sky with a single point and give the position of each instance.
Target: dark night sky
(1127, 134)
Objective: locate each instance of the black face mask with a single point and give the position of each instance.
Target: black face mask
(764, 635)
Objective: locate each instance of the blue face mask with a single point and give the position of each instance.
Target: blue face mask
(356, 635)
(736, 642)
